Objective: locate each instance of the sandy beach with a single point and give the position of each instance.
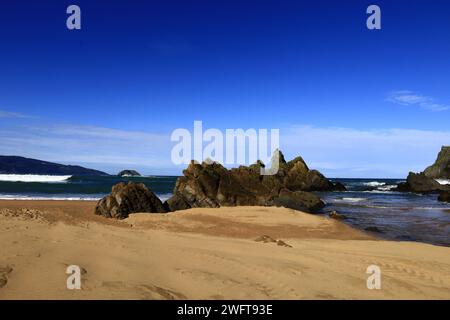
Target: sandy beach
(206, 254)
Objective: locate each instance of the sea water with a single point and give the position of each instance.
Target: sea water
(368, 203)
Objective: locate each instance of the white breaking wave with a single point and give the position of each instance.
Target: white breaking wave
(55, 198)
(32, 178)
(387, 187)
(350, 199)
(443, 181)
(374, 184)
(162, 197)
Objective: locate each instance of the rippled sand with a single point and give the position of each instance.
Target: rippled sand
(206, 254)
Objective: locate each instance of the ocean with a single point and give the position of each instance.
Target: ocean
(368, 203)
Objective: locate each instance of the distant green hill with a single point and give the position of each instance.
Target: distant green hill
(21, 165)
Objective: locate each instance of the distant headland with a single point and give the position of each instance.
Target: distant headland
(21, 165)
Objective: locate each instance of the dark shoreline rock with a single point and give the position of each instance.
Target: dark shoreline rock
(420, 183)
(129, 198)
(299, 200)
(374, 229)
(338, 186)
(444, 196)
(210, 185)
(425, 182)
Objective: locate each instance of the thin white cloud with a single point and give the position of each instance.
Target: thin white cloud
(8, 114)
(408, 98)
(345, 152)
(87, 144)
(337, 152)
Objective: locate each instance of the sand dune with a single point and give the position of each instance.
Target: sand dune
(205, 254)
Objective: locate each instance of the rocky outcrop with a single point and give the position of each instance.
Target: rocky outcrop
(420, 183)
(441, 167)
(211, 185)
(444, 196)
(129, 173)
(299, 200)
(425, 182)
(338, 186)
(129, 198)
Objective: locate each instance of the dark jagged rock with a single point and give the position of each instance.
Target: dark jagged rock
(374, 229)
(297, 176)
(299, 200)
(420, 183)
(425, 182)
(403, 187)
(176, 202)
(338, 186)
(444, 196)
(441, 167)
(129, 198)
(129, 173)
(211, 185)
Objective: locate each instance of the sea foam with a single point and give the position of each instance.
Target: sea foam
(33, 178)
(47, 198)
(374, 184)
(350, 199)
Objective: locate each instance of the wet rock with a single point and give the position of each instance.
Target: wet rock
(338, 186)
(444, 196)
(374, 229)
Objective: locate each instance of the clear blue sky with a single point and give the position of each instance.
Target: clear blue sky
(351, 101)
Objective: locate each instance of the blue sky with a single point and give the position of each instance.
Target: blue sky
(352, 102)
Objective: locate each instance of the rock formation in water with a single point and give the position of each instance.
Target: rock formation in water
(129, 173)
(420, 183)
(129, 198)
(212, 185)
(425, 182)
(444, 196)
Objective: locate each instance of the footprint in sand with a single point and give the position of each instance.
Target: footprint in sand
(4, 271)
